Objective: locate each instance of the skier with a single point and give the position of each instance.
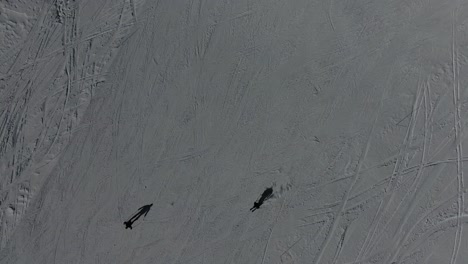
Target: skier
(267, 194)
(141, 211)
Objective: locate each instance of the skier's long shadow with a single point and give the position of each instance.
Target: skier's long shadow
(267, 194)
(141, 211)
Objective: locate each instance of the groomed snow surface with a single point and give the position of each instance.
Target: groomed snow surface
(354, 112)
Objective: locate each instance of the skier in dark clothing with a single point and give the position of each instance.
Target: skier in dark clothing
(267, 194)
(128, 224)
(141, 211)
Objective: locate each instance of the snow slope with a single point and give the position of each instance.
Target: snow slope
(354, 111)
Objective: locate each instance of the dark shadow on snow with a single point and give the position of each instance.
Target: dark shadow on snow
(267, 194)
(141, 211)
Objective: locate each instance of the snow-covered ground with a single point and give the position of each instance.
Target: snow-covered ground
(354, 112)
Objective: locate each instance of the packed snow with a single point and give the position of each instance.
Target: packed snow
(143, 131)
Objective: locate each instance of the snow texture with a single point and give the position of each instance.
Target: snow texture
(354, 112)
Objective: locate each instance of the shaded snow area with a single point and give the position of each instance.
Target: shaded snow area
(225, 132)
